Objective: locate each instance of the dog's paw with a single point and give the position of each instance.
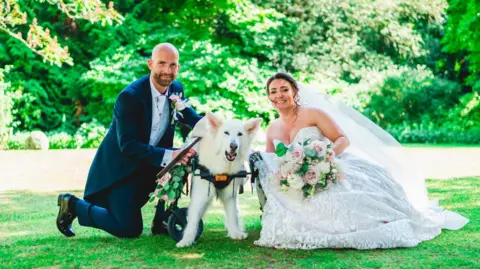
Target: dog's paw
(184, 243)
(238, 235)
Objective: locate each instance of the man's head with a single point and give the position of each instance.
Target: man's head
(164, 64)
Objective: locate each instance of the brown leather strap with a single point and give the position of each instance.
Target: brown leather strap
(177, 158)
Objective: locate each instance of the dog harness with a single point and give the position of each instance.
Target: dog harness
(219, 181)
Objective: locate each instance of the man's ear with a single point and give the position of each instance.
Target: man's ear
(150, 64)
(214, 121)
(252, 125)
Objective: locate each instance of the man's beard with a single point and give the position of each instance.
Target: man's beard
(163, 80)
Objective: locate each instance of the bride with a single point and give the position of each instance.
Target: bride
(381, 202)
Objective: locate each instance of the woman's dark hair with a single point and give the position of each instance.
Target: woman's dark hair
(293, 84)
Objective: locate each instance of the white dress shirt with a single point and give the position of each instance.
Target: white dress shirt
(160, 120)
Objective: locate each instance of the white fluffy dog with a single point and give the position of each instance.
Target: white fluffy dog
(223, 149)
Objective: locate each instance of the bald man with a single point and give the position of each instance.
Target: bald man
(138, 144)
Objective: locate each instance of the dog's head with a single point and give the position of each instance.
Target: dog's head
(230, 138)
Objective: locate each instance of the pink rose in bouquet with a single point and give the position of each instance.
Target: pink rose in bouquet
(311, 176)
(295, 155)
(166, 178)
(319, 146)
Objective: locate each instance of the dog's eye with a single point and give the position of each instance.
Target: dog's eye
(227, 133)
(240, 134)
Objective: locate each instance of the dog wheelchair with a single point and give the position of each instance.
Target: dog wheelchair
(177, 221)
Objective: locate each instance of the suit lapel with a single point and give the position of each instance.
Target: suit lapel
(148, 110)
(170, 92)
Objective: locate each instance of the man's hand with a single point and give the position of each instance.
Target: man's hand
(184, 160)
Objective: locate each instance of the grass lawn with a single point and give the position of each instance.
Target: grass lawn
(421, 145)
(29, 239)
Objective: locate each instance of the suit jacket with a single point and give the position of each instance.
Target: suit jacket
(125, 148)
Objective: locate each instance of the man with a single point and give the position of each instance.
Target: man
(138, 143)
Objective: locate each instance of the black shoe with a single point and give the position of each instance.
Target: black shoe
(65, 215)
(159, 227)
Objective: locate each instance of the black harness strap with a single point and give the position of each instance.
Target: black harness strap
(219, 181)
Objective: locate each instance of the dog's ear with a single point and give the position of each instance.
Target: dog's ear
(252, 125)
(214, 121)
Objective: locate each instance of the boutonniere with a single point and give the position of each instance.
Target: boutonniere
(178, 104)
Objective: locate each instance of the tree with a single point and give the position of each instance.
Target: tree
(6, 118)
(351, 40)
(462, 36)
(39, 39)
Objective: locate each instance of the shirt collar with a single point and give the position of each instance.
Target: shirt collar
(155, 92)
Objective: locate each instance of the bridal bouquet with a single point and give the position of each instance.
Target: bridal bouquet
(307, 166)
(170, 185)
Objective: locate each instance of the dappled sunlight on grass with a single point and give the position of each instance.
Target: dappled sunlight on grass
(5, 235)
(188, 256)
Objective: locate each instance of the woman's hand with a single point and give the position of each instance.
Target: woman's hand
(340, 144)
(331, 130)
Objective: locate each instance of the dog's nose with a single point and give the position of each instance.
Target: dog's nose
(233, 146)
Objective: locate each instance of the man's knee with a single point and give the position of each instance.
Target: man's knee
(129, 231)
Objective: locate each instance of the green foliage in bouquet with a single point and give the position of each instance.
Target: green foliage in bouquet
(170, 186)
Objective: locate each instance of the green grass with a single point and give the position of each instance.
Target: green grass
(29, 239)
(442, 146)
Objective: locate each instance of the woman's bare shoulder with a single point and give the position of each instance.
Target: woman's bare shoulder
(310, 114)
(312, 110)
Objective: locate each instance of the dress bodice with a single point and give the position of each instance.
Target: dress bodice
(311, 132)
(366, 209)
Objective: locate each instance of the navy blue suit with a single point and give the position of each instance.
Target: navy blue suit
(124, 169)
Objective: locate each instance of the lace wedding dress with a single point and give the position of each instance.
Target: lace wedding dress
(367, 209)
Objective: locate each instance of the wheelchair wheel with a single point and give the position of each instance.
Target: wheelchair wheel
(176, 228)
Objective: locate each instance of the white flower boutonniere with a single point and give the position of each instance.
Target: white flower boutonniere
(178, 104)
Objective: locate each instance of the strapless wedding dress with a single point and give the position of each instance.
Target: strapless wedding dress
(367, 209)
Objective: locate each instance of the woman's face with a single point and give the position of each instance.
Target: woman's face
(281, 94)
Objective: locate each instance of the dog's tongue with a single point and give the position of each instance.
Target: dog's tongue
(231, 155)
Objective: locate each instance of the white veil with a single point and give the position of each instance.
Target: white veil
(369, 141)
